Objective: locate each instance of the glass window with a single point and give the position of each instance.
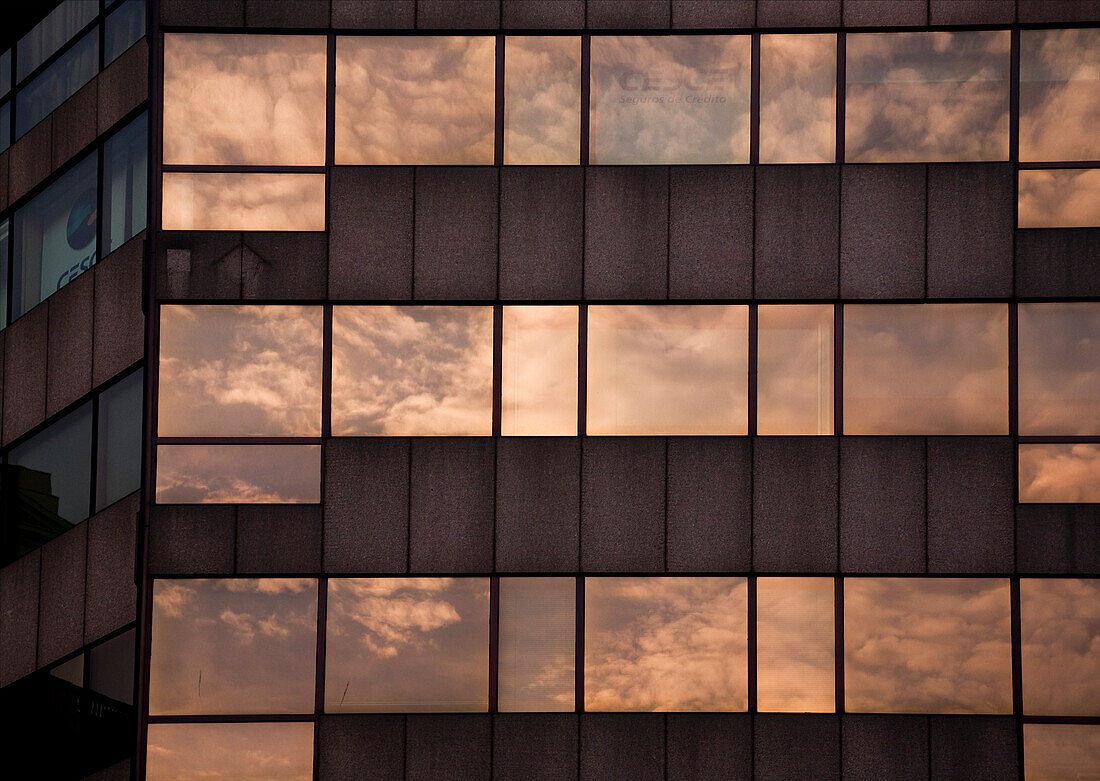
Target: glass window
(124, 27)
(53, 86)
(668, 369)
(71, 671)
(539, 370)
(188, 752)
(927, 645)
(243, 202)
(412, 370)
(125, 181)
(794, 369)
(235, 645)
(5, 125)
(407, 645)
(1066, 198)
(672, 99)
(5, 72)
(1056, 752)
(415, 100)
(797, 98)
(53, 32)
(240, 371)
(538, 648)
(665, 644)
(1059, 94)
(926, 369)
(238, 474)
(244, 99)
(55, 237)
(1060, 646)
(795, 645)
(1059, 372)
(1063, 473)
(926, 96)
(111, 668)
(118, 465)
(542, 100)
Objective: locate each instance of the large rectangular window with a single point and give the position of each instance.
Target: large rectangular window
(537, 657)
(53, 86)
(539, 370)
(118, 460)
(125, 183)
(239, 474)
(226, 201)
(1055, 752)
(1059, 98)
(794, 369)
(1060, 646)
(1059, 368)
(282, 751)
(1059, 473)
(797, 98)
(795, 645)
(1065, 198)
(542, 100)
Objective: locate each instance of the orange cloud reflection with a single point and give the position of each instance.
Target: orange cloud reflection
(796, 669)
(234, 752)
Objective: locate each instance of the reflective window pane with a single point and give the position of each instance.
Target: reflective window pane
(926, 96)
(232, 646)
(238, 474)
(1060, 646)
(118, 464)
(240, 371)
(124, 27)
(797, 98)
(5, 72)
(198, 752)
(537, 651)
(125, 182)
(1059, 94)
(5, 125)
(1057, 752)
(53, 86)
(1059, 371)
(244, 99)
(243, 202)
(55, 237)
(415, 100)
(794, 370)
(795, 645)
(1064, 473)
(71, 671)
(672, 99)
(539, 370)
(412, 370)
(542, 100)
(667, 369)
(407, 645)
(927, 645)
(926, 369)
(53, 32)
(1067, 198)
(665, 644)
(111, 668)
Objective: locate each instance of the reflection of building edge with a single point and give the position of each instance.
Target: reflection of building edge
(29, 500)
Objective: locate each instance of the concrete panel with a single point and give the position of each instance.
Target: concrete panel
(971, 11)
(365, 262)
(622, 747)
(710, 232)
(709, 504)
(69, 344)
(284, 265)
(535, 747)
(789, 747)
(623, 504)
(970, 504)
(200, 13)
(61, 597)
(1058, 262)
(448, 748)
(361, 748)
(1058, 10)
(542, 14)
(111, 600)
(973, 747)
(451, 505)
(74, 123)
(635, 14)
(797, 231)
(882, 496)
(457, 14)
(713, 13)
(25, 373)
(881, 746)
(19, 617)
(119, 324)
(30, 159)
(971, 217)
(374, 14)
(883, 13)
(537, 478)
(1058, 539)
(794, 504)
(192, 540)
(366, 505)
(541, 232)
(704, 746)
(279, 13)
(882, 230)
(456, 233)
(123, 84)
(199, 264)
(278, 540)
(806, 13)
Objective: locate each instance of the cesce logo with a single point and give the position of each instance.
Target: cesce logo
(669, 80)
